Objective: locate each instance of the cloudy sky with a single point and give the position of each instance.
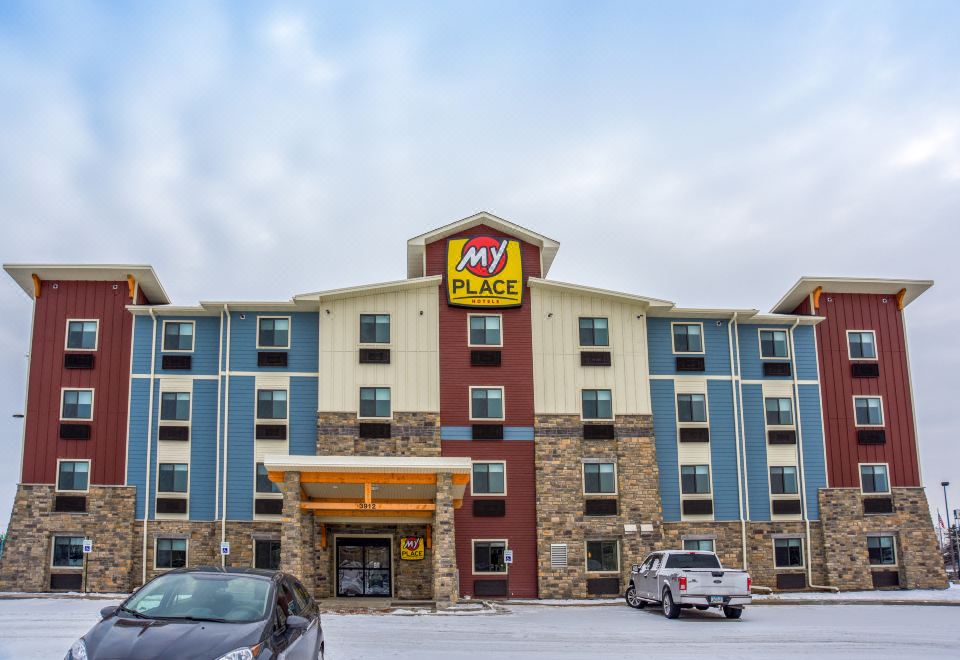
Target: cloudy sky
(708, 153)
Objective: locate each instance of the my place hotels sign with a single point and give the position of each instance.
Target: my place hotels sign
(484, 271)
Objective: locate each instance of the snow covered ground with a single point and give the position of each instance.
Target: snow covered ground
(45, 628)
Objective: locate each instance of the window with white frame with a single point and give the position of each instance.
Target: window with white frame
(874, 479)
(882, 550)
(695, 479)
(603, 556)
(691, 408)
(264, 484)
(172, 478)
(486, 403)
(773, 344)
(171, 553)
(779, 411)
(175, 406)
(67, 552)
(594, 332)
(699, 545)
(272, 404)
(788, 553)
(489, 478)
(488, 557)
(783, 480)
(375, 402)
(485, 330)
(862, 344)
(597, 404)
(82, 335)
(599, 478)
(273, 332)
(73, 475)
(868, 410)
(178, 336)
(374, 328)
(688, 338)
(77, 404)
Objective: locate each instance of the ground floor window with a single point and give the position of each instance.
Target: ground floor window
(788, 553)
(882, 550)
(68, 551)
(171, 553)
(488, 557)
(700, 545)
(266, 554)
(603, 556)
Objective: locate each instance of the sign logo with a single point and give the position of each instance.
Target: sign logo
(484, 271)
(411, 548)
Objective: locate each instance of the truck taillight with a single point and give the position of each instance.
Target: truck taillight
(683, 583)
(749, 584)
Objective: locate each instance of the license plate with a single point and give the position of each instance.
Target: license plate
(716, 599)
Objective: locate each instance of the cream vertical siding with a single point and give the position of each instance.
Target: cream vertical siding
(558, 376)
(413, 374)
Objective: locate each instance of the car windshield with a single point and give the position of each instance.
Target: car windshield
(204, 596)
(693, 560)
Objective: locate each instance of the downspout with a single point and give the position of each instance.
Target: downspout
(216, 490)
(742, 458)
(146, 491)
(26, 390)
(801, 477)
(226, 440)
(734, 377)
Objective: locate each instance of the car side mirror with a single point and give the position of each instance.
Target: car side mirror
(107, 611)
(635, 568)
(295, 622)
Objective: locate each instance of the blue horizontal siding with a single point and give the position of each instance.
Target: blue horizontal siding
(466, 433)
(142, 331)
(303, 415)
(240, 473)
(660, 346)
(755, 444)
(304, 345)
(806, 353)
(665, 433)
(206, 343)
(723, 451)
(815, 470)
(137, 448)
(203, 450)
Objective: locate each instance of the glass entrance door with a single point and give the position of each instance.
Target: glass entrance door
(363, 567)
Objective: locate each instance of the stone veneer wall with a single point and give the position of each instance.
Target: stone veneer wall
(27, 558)
(412, 434)
(845, 539)
(560, 450)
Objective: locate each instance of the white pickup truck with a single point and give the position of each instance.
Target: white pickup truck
(681, 579)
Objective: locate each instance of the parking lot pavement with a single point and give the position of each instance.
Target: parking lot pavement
(45, 629)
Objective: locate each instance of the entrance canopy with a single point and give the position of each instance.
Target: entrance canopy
(371, 489)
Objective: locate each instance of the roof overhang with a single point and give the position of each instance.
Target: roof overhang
(370, 289)
(144, 275)
(577, 289)
(416, 246)
(912, 289)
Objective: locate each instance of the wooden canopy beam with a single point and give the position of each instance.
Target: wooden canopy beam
(36, 285)
(363, 478)
(816, 299)
(900, 296)
(368, 507)
(132, 286)
(333, 513)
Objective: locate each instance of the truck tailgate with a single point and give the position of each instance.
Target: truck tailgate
(715, 582)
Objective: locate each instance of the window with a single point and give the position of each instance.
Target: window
(488, 479)
(171, 553)
(271, 404)
(773, 344)
(868, 410)
(488, 557)
(175, 406)
(873, 479)
(788, 553)
(82, 335)
(77, 404)
(882, 550)
(178, 336)
(688, 338)
(597, 404)
(266, 554)
(862, 344)
(374, 328)
(691, 408)
(67, 551)
(783, 480)
(485, 331)
(779, 411)
(486, 403)
(603, 556)
(264, 485)
(593, 332)
(694, 479)
(599, 478)
(173, 478)
(374, 402)
(273, 332)
(698, 545)
(73, 475)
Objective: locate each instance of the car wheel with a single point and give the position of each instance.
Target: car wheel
(732, 612)
(670, 609)
(633, 600)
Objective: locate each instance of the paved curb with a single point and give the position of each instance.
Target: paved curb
(795, 601)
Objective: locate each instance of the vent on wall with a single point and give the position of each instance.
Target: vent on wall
(75, 431)
(171, 505)
(796, 580)
(174, 433)
(600, 507)
(558, 555)
(691, 364)
(271, 431)
(694, 434)
(272, 359)
(603, 586)
(373, 430)
(598, 432)
(886, 579)
(484, 508)
(268, 506)
(489, 587)
(70, 504)
(697, 507)
(786, 507)
(487, 432)
(871, 436)
(374, 356)
(78, 361)
(878, 505)
(485, 358)
(776, 369)
(595, 358)
(782, 437)
(176, 362)
(865, 370)
(68, 581)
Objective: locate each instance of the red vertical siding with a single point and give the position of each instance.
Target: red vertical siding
(110, 379)
(515, 375)
(865, 312)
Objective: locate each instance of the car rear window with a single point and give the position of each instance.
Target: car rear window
(693, 560)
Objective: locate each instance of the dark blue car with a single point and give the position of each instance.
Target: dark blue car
(209, 613)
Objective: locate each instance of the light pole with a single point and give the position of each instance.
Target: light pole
(953, 556)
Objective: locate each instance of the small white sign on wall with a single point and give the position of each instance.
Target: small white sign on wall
(87, 546)
(508, 556)
(225, 548)
(629, 528)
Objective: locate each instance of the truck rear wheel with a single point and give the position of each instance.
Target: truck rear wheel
(732, 612)
(633, 600)
(670, 609)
